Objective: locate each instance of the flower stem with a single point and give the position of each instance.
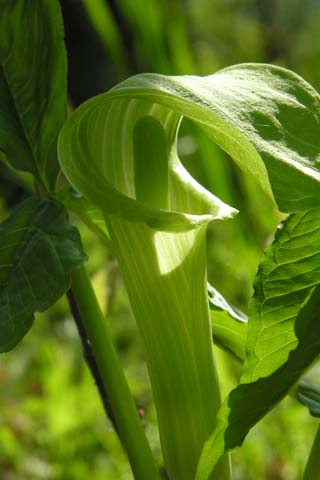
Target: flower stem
(121, 401)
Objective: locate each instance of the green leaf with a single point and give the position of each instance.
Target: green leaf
(309, 395)
(229, 325)
(248, 403)
(290, 268)
(33, 90)
(38, 250)
(229, 332)
(87, 212)
(283, 333)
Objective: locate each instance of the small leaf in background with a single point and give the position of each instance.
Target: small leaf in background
(33, 91)
(229, 325)
(38, 250)
(283, 333)
(309, 395)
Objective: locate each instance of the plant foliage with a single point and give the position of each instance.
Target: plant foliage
(38, 250)
(32, 86)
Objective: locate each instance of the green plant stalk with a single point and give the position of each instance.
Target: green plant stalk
(169, 302)
(121, 401)
(312, 468)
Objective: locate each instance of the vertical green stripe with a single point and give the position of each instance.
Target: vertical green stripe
(151, 163)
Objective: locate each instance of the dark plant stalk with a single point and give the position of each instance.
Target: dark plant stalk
(90, 359)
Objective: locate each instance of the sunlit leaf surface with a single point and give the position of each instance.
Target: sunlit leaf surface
(283, 334)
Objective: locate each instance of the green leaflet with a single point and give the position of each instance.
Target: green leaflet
(38, 250)
(309, 395)
(248, 403)
(86, 211)
(283, 334)
(32, 86)
(290, 268)
(229, 332)
(229, 325)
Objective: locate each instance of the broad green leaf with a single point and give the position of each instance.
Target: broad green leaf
(283, 337)
(229, 332)
(248, 403)
(32, 86)
(290, 268)
(38, 250)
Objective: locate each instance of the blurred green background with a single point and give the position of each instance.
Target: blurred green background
(52, 424)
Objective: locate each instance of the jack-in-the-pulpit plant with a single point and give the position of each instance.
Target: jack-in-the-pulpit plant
(119, 152)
